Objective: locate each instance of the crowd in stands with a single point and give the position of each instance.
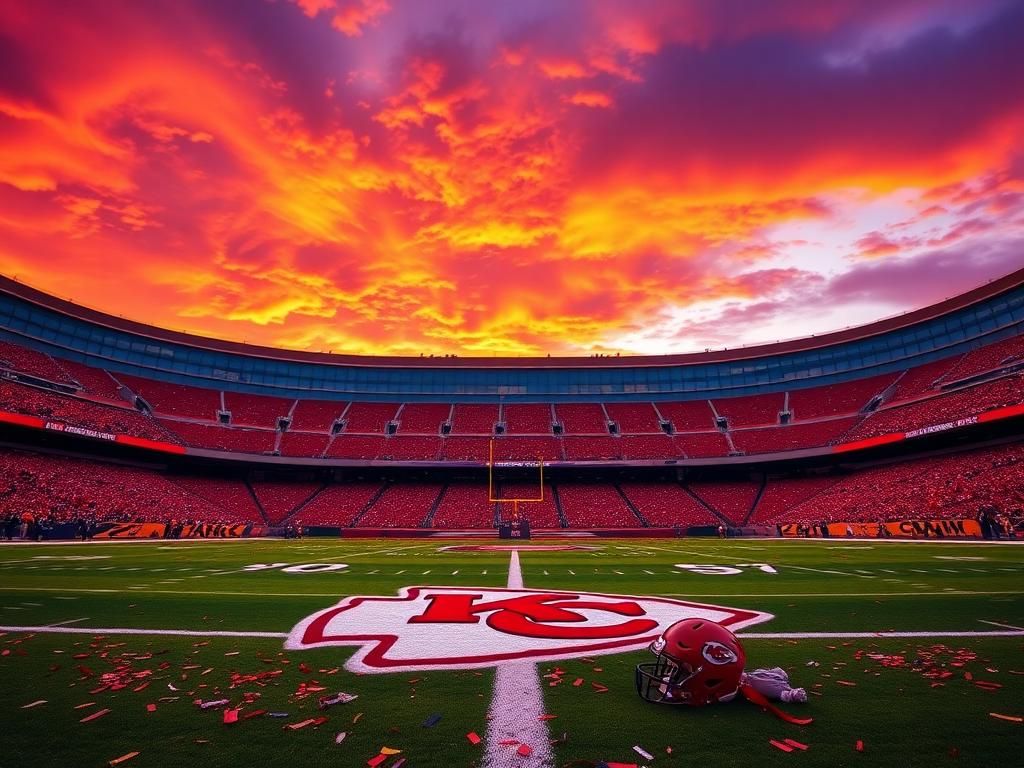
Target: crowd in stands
(282, 498)
(792, 437)
(55, 490)
(402, 505)
(174, 399)
(991, 356)
(541, 514)
(59, 489)
(667, 504)
(732, 500)
(780, 496)
(50, 406)
(25, 360)
(944, 487)
(595, 505)
(941, 409)
(340, 504)
(464, 505)
(225, 420)
(836, 399)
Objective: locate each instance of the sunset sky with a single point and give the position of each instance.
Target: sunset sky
(510, 177)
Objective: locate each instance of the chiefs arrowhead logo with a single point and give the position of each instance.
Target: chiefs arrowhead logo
(466, 627)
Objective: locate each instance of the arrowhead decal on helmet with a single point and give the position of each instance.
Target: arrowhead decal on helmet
(465, 627)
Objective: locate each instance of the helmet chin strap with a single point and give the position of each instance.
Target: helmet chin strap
(755, 697)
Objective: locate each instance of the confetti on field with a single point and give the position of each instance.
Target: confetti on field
(859, 746)
(642, 752)
(340, 737)
(795, 743)
(780, 745)
(1008, 718)
(473, 738)
(525, 750)
(123, 758)
(432, 720)
(987, 685)
(94, 715)
(34, 704)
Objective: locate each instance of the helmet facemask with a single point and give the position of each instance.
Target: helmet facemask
(662, 681)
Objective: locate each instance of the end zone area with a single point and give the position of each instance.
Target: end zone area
(910, 648)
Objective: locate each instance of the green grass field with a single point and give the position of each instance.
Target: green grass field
(907, 715)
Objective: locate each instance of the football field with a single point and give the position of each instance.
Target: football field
(216, 653)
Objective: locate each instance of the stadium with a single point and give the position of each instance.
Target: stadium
(807, 437)
(221, 546)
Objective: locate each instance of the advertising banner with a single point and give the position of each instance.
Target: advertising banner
(909, 529)
(130, 531)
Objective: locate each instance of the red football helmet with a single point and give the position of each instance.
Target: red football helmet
(698, 662)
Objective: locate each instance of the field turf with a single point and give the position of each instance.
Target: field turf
(910, 701)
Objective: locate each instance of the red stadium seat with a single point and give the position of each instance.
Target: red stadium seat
(256, 410)
(471, 419)
(423, 418)
(582, 418)
(634, 418)
(733, 500)
(316, 415)
(174, 399)
(402, 505)
(527, 418)
(667, 504)
(753, 410)
(594, 505)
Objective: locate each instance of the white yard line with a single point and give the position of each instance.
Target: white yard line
(516, 707)
(997, 624)
(386, 550)
(824, 570)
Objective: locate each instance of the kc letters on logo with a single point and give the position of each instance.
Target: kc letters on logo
(466, 627)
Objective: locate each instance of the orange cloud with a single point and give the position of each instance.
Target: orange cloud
(347, 16)
(590, 99)
(414, 185)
